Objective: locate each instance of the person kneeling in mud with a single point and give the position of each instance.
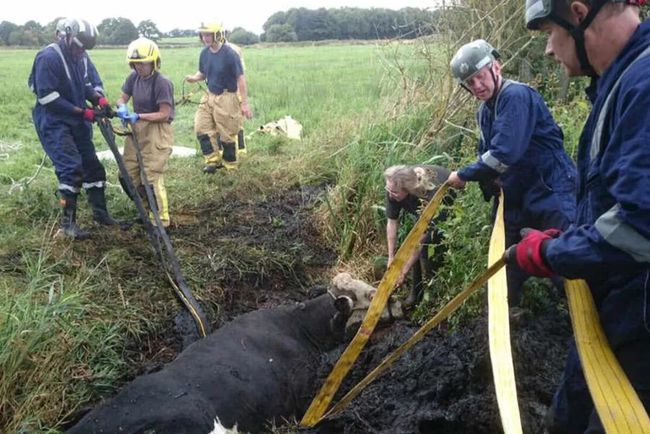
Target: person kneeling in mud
(409, 188)
(153, 105)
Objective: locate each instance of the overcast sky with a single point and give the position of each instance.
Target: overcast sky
(249, 14)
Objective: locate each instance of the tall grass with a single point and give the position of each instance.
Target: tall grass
(71, 314)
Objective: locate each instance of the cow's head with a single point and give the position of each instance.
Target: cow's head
(354, 296)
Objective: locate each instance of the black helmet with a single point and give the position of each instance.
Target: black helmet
(540, 10)
(81, 32)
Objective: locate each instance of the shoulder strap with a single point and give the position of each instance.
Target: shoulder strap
(60, 53)
(154, 80)
(596, 140)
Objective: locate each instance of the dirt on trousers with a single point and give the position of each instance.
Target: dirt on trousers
(444, 383)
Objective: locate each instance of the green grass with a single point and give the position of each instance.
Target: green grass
(68, 311)
(71, 314)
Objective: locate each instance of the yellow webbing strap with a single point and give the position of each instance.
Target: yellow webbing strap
(618, 405)
(499, 332)
(417, 336)
(322, 400)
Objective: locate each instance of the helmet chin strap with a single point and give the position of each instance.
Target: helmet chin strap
(497, 88)
(578, 32)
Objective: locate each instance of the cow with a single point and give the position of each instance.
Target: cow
(256, 369)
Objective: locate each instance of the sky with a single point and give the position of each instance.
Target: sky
(249, 14)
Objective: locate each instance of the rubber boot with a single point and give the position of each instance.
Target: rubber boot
(69, 217)
(125, 187)
(97, 200)
(415, 295)
(241, 143)
(230, 156)
(212, 157)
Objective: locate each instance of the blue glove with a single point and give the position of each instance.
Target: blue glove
(132, 117)
(122, 112)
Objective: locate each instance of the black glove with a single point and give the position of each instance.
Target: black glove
(489, 189)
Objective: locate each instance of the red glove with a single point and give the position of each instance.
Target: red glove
(528, 252)
(103, 102)
(89, 114)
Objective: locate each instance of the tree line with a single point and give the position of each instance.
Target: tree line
(296, 24)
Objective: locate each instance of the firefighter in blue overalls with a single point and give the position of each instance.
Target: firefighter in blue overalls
(63, 122)
(609, 244)
(520, 150)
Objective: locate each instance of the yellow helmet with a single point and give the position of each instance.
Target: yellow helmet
(212, 27)
(143, 50)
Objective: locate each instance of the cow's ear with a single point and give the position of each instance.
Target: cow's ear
(344, 304)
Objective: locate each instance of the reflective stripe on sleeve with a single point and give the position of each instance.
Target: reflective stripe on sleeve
(623, 236)
(48, 98)
(493, 163)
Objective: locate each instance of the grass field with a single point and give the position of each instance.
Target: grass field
(76, 318)
(66, 311)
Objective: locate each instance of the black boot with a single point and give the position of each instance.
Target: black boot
(97, 200)
(69, 217)
(415, 295)
(241, 142)
(230, 156)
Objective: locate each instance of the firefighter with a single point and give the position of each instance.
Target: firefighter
(151, 120)
(218, 117)
(520, 150)
(241, 139)
(63, 122)
(609, 244)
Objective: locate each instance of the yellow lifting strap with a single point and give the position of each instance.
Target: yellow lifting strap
(499, 332)
(322, 400)
(617, 404)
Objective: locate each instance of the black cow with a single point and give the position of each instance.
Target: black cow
(259, 367)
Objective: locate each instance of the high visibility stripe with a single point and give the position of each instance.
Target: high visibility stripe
(48, 98)
(499, 332)
(56, 48)
(617, 404)
(96, 184)
(597, 138)
(623, 236)
(68, 187)
(322, 400)
(493, 163)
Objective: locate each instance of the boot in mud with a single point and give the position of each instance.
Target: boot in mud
(68, 222)
(415, 295)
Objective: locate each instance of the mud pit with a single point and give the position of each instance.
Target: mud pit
(444, 384)
(261, 253)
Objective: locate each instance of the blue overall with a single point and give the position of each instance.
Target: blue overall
(521, 149)
(61, 85)
(609, 245)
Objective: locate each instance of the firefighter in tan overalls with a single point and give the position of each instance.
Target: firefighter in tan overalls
(153, 112)
(219, 116)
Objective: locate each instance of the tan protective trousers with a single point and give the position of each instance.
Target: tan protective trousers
(218, 116)
(156, 140)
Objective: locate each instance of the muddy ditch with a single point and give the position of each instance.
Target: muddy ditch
(241, 255)
(444, 383)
